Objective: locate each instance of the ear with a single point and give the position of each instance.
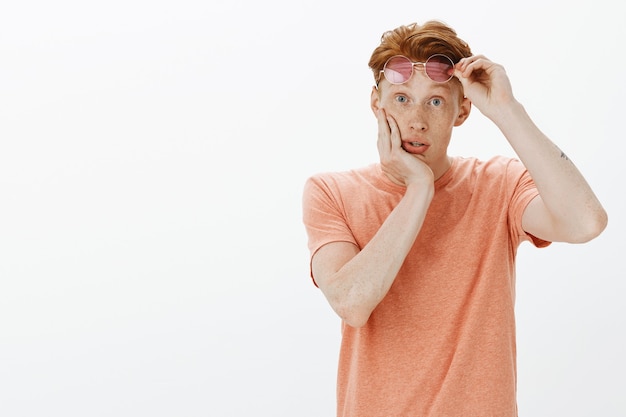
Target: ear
(375, 100)
(464, 111)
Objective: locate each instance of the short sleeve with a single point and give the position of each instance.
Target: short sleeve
(323, 214)
(523, 193)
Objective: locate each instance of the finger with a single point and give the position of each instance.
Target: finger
(464, 62)
(396, 140)
(384, 133)
(473, 63)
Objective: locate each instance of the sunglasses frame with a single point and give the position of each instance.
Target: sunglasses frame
(413, 64)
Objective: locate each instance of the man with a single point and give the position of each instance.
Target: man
(416, 253)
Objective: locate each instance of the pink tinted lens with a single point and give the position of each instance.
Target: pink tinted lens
(398, 70)
(439, 68)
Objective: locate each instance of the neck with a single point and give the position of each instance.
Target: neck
(438, 171)
(442, 168)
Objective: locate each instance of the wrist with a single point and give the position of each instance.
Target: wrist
(420, 189)
(507, 113)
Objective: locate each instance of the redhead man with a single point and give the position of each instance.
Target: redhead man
(416, 253)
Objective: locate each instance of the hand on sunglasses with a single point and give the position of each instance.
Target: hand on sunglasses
(485, 83)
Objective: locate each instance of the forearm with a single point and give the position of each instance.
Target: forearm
(361, 283)
(573, 207)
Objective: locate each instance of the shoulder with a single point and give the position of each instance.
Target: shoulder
(497, 168)
(498, 163)
(344, 180)
(498, 177)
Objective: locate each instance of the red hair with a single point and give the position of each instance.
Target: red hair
(418, 43)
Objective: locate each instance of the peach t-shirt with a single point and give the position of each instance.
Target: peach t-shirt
(442, 341)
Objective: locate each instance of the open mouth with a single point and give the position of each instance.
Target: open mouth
(414, 147)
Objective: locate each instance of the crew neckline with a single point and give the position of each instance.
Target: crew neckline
(439, 182)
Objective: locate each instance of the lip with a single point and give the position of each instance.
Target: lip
(408, 145)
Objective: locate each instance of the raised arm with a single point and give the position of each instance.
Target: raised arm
(566, 210)
(354, 282)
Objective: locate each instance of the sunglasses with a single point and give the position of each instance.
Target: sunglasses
(399, 69)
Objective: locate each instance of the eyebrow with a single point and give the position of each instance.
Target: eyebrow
(436, 88)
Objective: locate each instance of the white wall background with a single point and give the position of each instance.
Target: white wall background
(152, 156)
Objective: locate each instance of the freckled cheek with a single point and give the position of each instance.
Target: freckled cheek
(403, 110)
(405, 120)
(401, 116)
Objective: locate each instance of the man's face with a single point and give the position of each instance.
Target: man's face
(426, 112)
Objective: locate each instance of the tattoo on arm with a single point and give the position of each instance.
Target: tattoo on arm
(564, 156)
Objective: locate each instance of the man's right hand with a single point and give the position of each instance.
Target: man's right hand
(399, 165)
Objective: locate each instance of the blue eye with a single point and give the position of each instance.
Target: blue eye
(401, 99)
(436, 102)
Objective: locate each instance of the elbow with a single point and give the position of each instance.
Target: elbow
(355, 321)
(602, 220)
(354, 304)
(353, 315)
(594, 226)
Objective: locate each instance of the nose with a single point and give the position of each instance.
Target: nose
(417, 122)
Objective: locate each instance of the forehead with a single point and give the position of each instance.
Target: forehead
(419, 83)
